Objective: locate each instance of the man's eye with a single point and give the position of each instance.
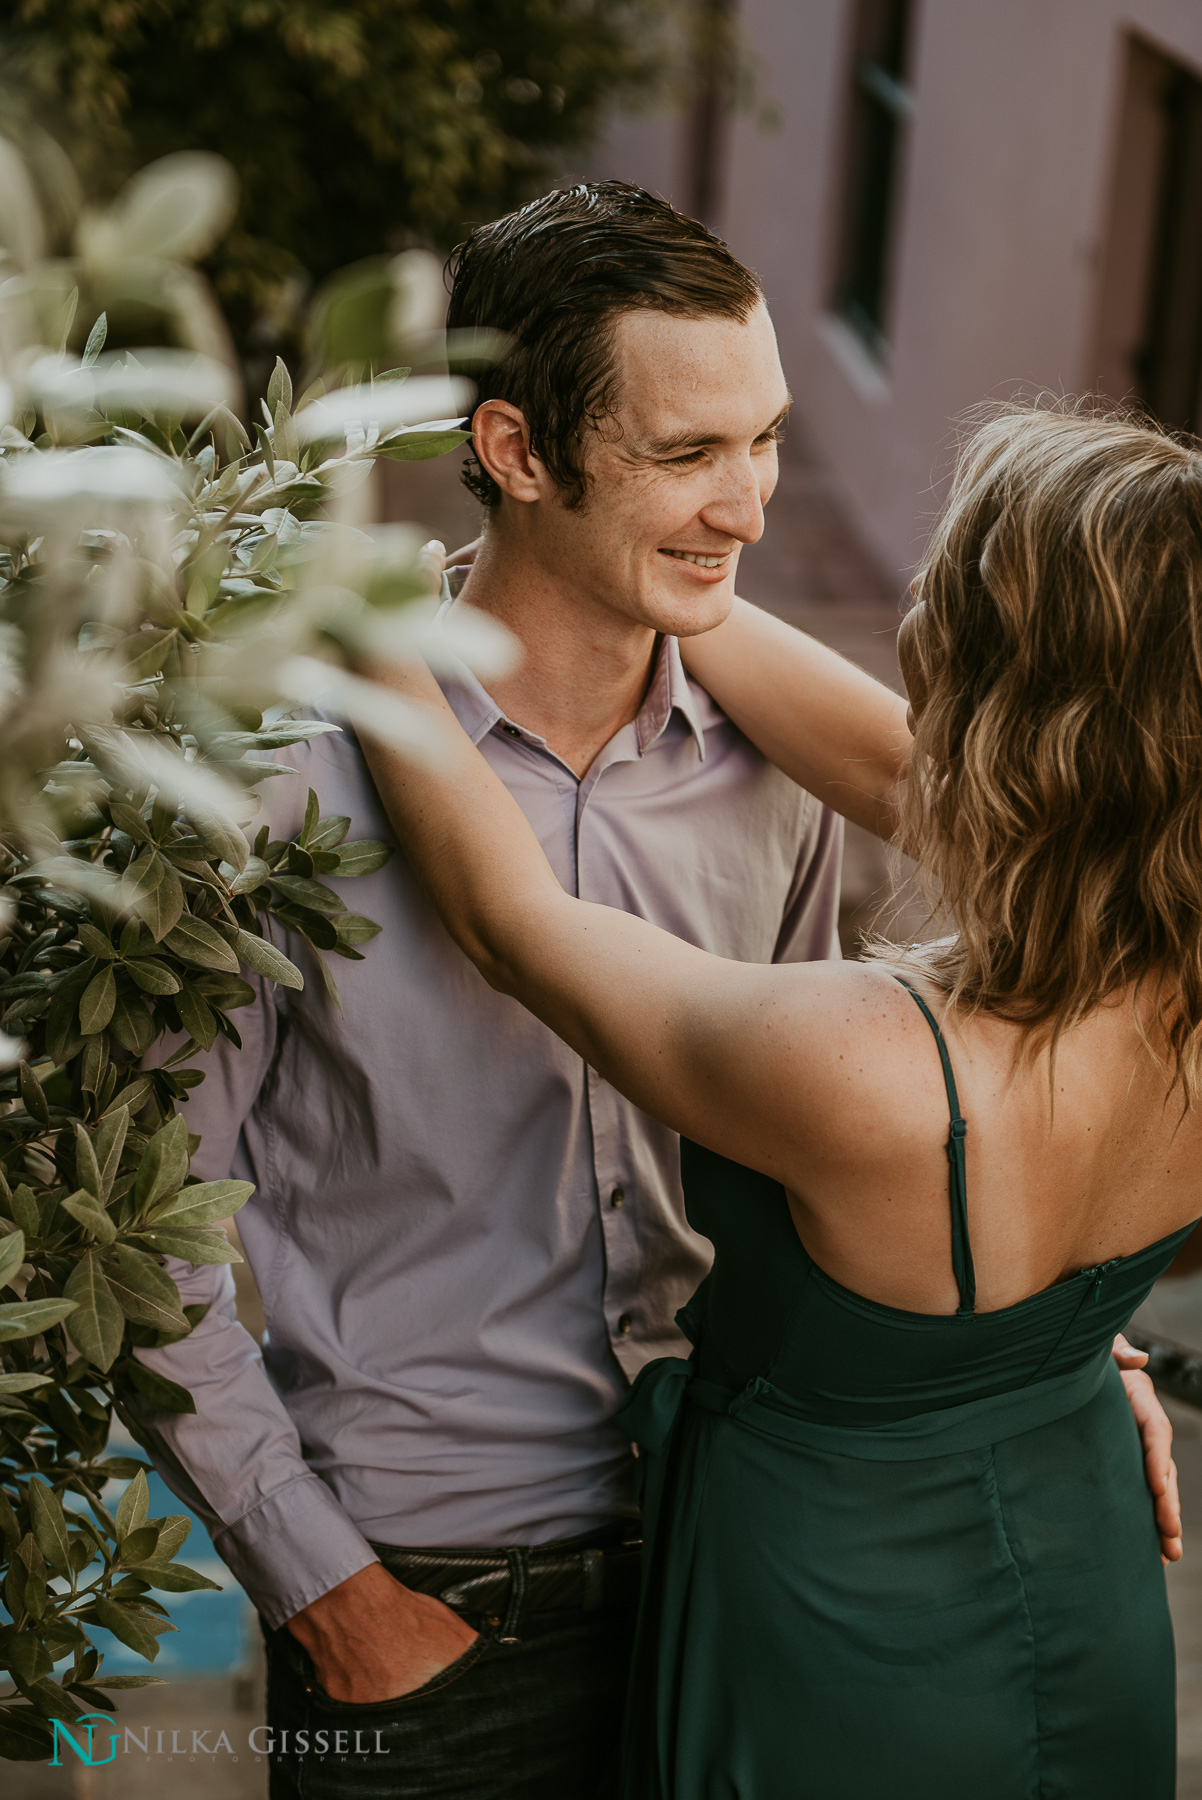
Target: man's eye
(689, 457)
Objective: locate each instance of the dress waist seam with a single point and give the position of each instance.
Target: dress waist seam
(972, 1425)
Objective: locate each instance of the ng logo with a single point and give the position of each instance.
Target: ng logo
(63, 1733)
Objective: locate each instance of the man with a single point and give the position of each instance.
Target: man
(467, 1244)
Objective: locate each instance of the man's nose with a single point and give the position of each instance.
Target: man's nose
(737, 507)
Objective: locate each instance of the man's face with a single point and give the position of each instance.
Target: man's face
(679, 478)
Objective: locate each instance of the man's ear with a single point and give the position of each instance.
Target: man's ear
(501, 440)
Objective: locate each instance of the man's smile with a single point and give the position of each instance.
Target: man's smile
(702, 560)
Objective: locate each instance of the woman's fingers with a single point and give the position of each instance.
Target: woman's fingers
(1126, 1355)
(465, 556)
(1156, 1434)
(1155, 1430)
(432, 558)
(1168, 1519)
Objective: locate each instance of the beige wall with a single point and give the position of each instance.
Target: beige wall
(1002, 248)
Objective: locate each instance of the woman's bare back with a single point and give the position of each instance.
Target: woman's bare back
(1061, 1175)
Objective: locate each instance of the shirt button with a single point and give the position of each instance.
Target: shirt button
(624, 1324)
(511, 731)
(618, 1197)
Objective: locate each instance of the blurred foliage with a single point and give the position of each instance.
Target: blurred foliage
(355, 126)
(169, 592)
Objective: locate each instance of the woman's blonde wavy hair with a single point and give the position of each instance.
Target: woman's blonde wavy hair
(1054, 807)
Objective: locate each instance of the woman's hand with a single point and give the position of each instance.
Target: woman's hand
(1156, 1436)
(465, 556)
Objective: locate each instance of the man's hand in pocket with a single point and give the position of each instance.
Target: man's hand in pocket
(371, 1639)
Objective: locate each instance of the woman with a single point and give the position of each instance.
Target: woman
(899, 1541)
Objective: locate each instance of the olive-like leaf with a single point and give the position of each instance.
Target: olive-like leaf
(96, 943)
(151, 888)
(201, 1202)
(23, 1384)
(202, 1248)
(12, 1255)
(362, 858)
(91, 1215)
(26, 1318)
(49, 1526)
(133, 1506)
(153, 976)
(164, 1165)
(87, 1169)
(145, 1293)
(198, 942)
(265, 959)
(173, 1578)
(24, 1735)
(196, 1016)
(98, 1324)
(312, 894)
(32, 1094)
(110, 1141)
(130, 1627)
(131, 1024)
(130, 821)
(353, 928)
(97, 1002)
(169, 1396)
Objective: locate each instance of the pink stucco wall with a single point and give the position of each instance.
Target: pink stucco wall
(1004, 206)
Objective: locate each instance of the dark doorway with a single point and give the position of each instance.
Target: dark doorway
(1169, 362)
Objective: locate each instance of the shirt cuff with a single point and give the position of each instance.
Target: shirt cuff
(293, 1549)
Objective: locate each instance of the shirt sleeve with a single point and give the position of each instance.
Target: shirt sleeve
(810, 925)
(237, 1460)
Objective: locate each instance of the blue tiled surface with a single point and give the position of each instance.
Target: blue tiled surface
(214, 1632)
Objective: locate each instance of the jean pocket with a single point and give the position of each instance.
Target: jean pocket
(453, 1672)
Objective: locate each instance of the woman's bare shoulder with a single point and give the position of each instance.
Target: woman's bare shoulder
(854, 1064)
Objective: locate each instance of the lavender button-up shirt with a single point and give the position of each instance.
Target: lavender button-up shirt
(466, 1242)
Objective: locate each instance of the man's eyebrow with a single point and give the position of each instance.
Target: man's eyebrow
(700, 440)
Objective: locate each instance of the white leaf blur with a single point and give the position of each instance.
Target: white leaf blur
(459, 634)
(183, 383)
(21, 230)
(102, 472)
(369, 706)
(176, 208)
(138, 757)
(385, 405)
(419, 295)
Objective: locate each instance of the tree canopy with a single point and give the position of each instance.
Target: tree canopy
(355, 126)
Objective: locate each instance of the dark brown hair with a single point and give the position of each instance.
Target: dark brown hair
(1055, 801)
(555, 277)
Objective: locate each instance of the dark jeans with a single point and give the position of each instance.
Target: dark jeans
(538, 1719)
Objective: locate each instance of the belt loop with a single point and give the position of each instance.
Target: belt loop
(517, 1594)
(593, 1569)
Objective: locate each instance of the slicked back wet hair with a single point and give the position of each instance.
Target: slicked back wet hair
(556, 276)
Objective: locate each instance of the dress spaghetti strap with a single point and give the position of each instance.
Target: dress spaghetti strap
(966, 1280)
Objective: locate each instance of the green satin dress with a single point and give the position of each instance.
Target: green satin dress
(893, 1555)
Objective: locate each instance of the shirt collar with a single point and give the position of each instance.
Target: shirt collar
(669, 692)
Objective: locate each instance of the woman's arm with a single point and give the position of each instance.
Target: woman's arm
(833, 729)
(724, 1052)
